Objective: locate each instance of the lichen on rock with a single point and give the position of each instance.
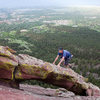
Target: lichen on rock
(16, 68)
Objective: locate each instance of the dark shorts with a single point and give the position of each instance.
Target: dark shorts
(67, 61)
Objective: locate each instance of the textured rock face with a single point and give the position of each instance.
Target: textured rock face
(8, 61)
(38, 93)
(22, 67)
(32, 68)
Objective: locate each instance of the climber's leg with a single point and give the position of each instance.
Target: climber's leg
(66, 63)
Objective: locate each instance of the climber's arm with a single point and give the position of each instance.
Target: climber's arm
(56, 59)
(61, 61)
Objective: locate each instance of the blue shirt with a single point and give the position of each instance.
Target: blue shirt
(66, 54)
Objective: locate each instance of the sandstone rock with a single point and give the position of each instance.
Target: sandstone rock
(8, 62)
(32, 68)
(47, 91)
(14, 69)
(37, 93)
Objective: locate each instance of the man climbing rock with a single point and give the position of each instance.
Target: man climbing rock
(65, 57)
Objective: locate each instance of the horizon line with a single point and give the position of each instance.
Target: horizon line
(52, 6)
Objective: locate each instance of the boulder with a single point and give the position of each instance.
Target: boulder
(29, 92)
(33, 68)
(14, 69)
(8, 62)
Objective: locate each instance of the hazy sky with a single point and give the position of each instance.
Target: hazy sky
(27, 3)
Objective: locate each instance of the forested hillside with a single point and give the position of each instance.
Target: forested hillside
(42, 40)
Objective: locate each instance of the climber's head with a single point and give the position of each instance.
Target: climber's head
(60, 50)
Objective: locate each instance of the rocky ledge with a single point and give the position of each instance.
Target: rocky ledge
(17, 68)
(28, 92)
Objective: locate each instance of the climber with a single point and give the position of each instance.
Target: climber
(65, 57)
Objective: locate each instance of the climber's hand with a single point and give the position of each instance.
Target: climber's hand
(54, 63)
(58, 65)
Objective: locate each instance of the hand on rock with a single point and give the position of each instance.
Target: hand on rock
(58, 65)
(53, 63)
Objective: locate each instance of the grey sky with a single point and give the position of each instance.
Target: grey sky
(27, 3)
